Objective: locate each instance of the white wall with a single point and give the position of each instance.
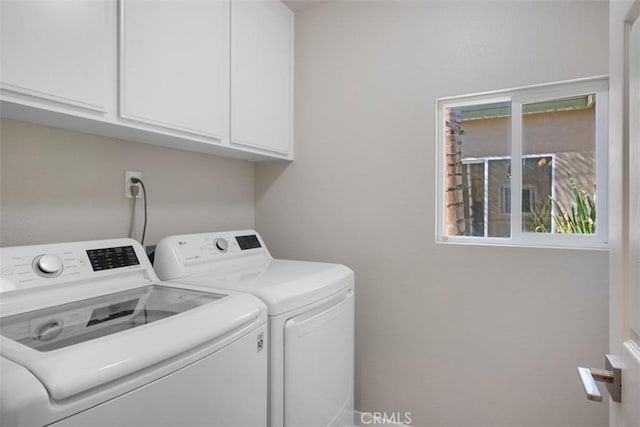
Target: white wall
(457, 335)
(58, 186)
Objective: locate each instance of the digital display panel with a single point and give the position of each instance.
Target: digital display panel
(248, 242)
(108, 258)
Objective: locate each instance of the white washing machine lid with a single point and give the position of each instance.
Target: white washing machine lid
(77, 346)
(283, 285)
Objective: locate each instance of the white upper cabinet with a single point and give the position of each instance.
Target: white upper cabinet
(213, 76)
(174, 65)
(57, 53)
(262, 75)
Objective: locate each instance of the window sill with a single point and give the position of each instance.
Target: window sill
(575, 242)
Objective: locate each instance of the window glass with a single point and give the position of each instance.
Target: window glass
(477, 166)
(559, 163)
(528, 199)
(499, 181)
(474, 197)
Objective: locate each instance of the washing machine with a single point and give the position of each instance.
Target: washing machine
(311, 319)
(90, 337)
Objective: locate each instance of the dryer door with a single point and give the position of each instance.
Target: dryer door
(318, 357)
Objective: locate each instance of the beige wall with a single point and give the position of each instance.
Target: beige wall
(63, 186)
(458, 335)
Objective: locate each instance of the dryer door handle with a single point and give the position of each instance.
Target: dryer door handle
(313, 319)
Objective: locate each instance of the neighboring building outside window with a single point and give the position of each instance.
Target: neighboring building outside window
(558, 133)
(528, 199)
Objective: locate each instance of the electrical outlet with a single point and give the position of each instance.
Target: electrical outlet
(127, 184)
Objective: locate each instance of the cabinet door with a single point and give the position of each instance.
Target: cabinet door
(261, 75)
(174, 65)
(57, 52)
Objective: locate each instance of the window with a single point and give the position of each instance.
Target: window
(551, 194)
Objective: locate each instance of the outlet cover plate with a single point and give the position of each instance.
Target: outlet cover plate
(127, 184)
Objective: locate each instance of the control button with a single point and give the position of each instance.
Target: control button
(7, 271)
(48, 265)
(222, 245)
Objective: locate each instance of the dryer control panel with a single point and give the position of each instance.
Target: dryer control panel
(178, 255)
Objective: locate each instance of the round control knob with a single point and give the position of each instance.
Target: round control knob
(48, 265)
(222, 245)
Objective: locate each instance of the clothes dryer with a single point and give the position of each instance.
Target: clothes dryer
(311, 319)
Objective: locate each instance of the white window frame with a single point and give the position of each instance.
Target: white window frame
(518, 97)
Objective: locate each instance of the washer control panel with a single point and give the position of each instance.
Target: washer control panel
(108, 258)
(39, 265)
